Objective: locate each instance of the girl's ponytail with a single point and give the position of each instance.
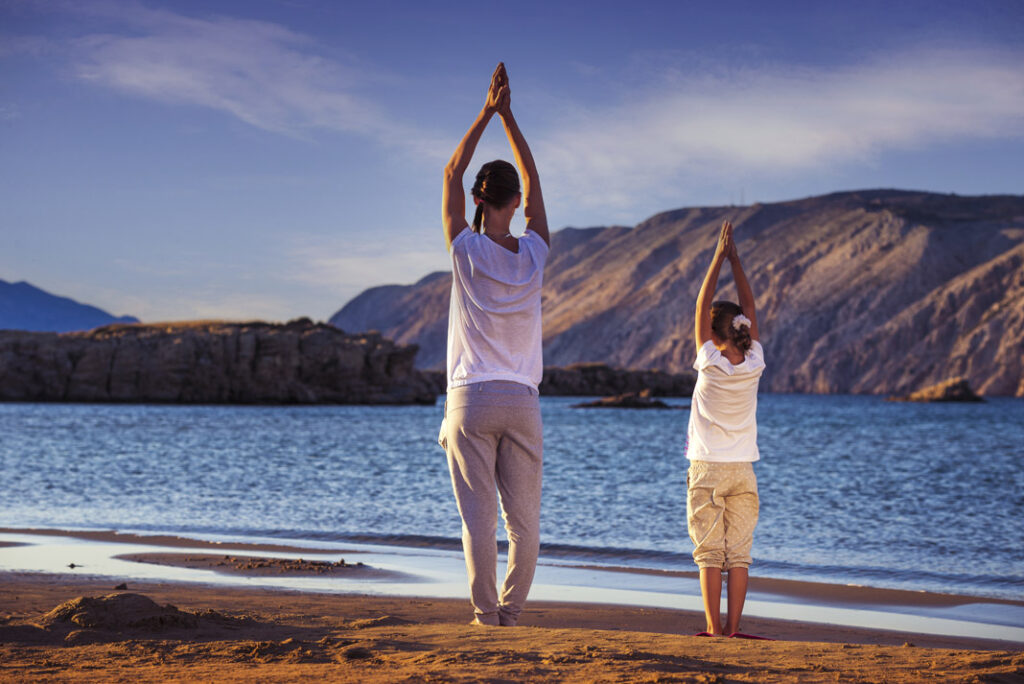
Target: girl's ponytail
(741, 338)
(729, 323)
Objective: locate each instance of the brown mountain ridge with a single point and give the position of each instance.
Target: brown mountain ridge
(874, 291)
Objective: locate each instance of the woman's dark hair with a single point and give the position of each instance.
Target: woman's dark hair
(497, 184)
(722, 313)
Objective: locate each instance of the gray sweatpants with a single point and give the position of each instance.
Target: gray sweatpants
(493, 437)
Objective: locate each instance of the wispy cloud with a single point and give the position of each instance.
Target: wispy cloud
(779, 120)
(262, 73)
(347, 269)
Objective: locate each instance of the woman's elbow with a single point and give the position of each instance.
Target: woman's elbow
(452, 172)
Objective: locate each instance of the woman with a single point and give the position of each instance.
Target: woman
(492, 427)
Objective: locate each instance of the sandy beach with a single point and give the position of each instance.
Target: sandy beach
(148, 630)
(237, 634)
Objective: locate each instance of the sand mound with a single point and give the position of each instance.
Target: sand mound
(119, 612)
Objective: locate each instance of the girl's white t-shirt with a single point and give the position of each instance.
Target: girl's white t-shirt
(494, 319)
(723, 410)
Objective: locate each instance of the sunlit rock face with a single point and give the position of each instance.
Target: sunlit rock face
(954, 389)
(876, 292)
(211, 362)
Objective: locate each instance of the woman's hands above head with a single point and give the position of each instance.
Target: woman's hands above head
(504, 102)
(453, 194)
(504, 95)
(497, 93)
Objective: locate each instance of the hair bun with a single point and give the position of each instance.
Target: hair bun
(497, 184)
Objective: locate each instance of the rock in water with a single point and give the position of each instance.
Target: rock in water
(211, 362)
(599, 379)
(631, 400)
(955, 389)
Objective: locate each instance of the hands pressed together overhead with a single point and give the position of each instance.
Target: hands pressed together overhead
(453, 198)
(499, 98)
(726, 248)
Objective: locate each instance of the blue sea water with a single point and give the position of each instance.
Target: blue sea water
(853, 489)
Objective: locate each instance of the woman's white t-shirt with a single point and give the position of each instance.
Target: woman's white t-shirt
(494, 319)
(723, 411)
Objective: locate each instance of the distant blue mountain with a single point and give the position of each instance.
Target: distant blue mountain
(25, 307)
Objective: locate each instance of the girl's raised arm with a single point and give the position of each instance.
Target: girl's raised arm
(702, 320)
(533, 200)
(453, 196)
(743, 289)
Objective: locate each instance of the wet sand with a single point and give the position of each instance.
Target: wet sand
(236, 634)
(156, 630)
(257, 566)
(158, 540)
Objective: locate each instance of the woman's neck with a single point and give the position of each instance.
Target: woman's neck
(498, 231)
(496, 223)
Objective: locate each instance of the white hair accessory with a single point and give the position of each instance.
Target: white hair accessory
(740, 319)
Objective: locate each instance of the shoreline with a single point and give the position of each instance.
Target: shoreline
(244, 633)
(33, 590)
(244, 610)
(793, 588)
(421, 572)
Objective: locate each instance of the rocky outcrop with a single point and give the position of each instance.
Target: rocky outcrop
(600, 380)
(211, 362)
(955, 389)
(868, 292)
(630, 400)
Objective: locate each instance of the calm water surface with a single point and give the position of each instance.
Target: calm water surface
(853, 489)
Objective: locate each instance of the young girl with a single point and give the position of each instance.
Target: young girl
(721, 498)
(492, 426)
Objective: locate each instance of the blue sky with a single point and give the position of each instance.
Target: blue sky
(271, 159)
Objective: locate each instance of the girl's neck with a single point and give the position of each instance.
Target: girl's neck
(731, 352)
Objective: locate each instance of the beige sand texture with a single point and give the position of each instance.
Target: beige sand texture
(175, 632)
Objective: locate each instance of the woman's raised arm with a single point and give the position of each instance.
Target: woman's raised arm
(453, 195)
(702, 319)
(533, 199)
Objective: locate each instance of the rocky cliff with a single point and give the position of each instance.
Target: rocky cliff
(211, 362)
(879, 291)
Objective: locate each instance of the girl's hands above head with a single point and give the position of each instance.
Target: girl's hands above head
(733, 255)
(499, 80)
(725, 244)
